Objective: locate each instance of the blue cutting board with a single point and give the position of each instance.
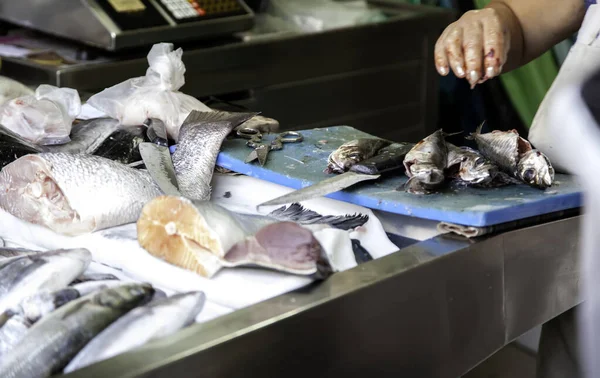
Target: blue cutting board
(299, 165)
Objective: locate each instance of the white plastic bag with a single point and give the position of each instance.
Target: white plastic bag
(11, 89)
(44, 118)
(155, 95)
(582, 61)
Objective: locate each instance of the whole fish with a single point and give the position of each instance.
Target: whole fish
(515, 156)
(196, 235)
(13, 146)
(469, 166)
(200, 139)
(21, 277)
(425, 164)
(53, 341)
(353, 152)
(35, 307)
(12, 332)
(74, 194)
(155, 320)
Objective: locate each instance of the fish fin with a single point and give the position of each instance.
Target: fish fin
(236, 119)
(450, 134)
(299, 214)
(476, 133)
(361, 255)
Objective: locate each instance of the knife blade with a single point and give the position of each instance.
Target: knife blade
(157, 160)
(389, 159)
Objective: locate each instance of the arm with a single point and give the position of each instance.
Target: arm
(505, 34)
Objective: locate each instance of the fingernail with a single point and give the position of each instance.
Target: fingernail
(460, 71)
(444, 70)
(473, 77)
(490, 72)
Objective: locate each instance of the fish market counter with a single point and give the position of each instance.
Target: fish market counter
(435, 308)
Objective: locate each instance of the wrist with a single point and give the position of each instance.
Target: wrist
(513, 33)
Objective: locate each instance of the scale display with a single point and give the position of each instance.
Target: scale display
(197, 10)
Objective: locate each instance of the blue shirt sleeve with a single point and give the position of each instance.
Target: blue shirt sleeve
(589, 2)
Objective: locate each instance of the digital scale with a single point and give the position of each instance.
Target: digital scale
(120, 24)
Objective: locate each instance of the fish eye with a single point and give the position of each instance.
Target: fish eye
(529, 174)
(479, 161)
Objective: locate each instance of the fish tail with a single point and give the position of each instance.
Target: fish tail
(476, 133)
(299, 214)
(234, 118)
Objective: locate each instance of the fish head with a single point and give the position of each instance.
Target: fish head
(124, 297)
(535, 169)
(477, 170)
(343, 158)
(427, 174)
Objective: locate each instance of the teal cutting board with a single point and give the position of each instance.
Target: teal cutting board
(299, 165)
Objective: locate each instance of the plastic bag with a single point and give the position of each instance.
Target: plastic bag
(44, 118)
(155, 95)
(318, 15)
(11, 89)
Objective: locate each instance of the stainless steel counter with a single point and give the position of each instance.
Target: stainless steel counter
(434, 309)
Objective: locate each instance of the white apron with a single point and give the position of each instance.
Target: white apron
(582, 61)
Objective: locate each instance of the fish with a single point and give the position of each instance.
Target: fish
(515, 156)
(52, 342)
(353, 152)
(86, 277)
(12, 332)
(87, 287)
(42, 303)
(7, 253)
(74, 194)
(21, 277)
(425, 164)
(196, 235)
(200, 139)
(13, 146)
(155, 320)
(469, 166)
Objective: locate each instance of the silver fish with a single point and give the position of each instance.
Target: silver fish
(42, 303)
(21, 277)
(353, 152)
(87, 136)
(155, 320)
(200, 139)
(196, 235)
(515, 156)
(425, 164)
(12, 332)
(469, 166)
(53, 341)
(74, 194)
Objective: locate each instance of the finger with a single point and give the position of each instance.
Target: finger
(473, 51)
(494, 47)
(439, 54)
(454, 51)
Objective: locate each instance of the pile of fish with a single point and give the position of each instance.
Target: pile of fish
(54, 317)
(503, 158)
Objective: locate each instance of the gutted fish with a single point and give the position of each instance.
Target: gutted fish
(42, 303)
(155, 320)
(74, 194)
(469, 166)
(196, 235)
(283, 246)
(22, 277)
(353, 152)
(53, 341)
(200, 139)
(425, 164)
(515, 156)
(12, 332)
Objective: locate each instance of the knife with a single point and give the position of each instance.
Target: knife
(390, 158)
(157, 158)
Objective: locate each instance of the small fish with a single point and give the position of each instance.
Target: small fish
(515, 156)
(53, 341)
(196, 235)
(22, 277)
(12, 332)
(155, 320)
(469, 166)
(74, 194)
(425, 164)
(353, 152)
(200, 139)
(44, 302)
(86, 277)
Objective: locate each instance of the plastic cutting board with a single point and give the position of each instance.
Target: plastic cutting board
(301, 164)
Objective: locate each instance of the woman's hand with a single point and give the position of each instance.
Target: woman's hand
(475, 47)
